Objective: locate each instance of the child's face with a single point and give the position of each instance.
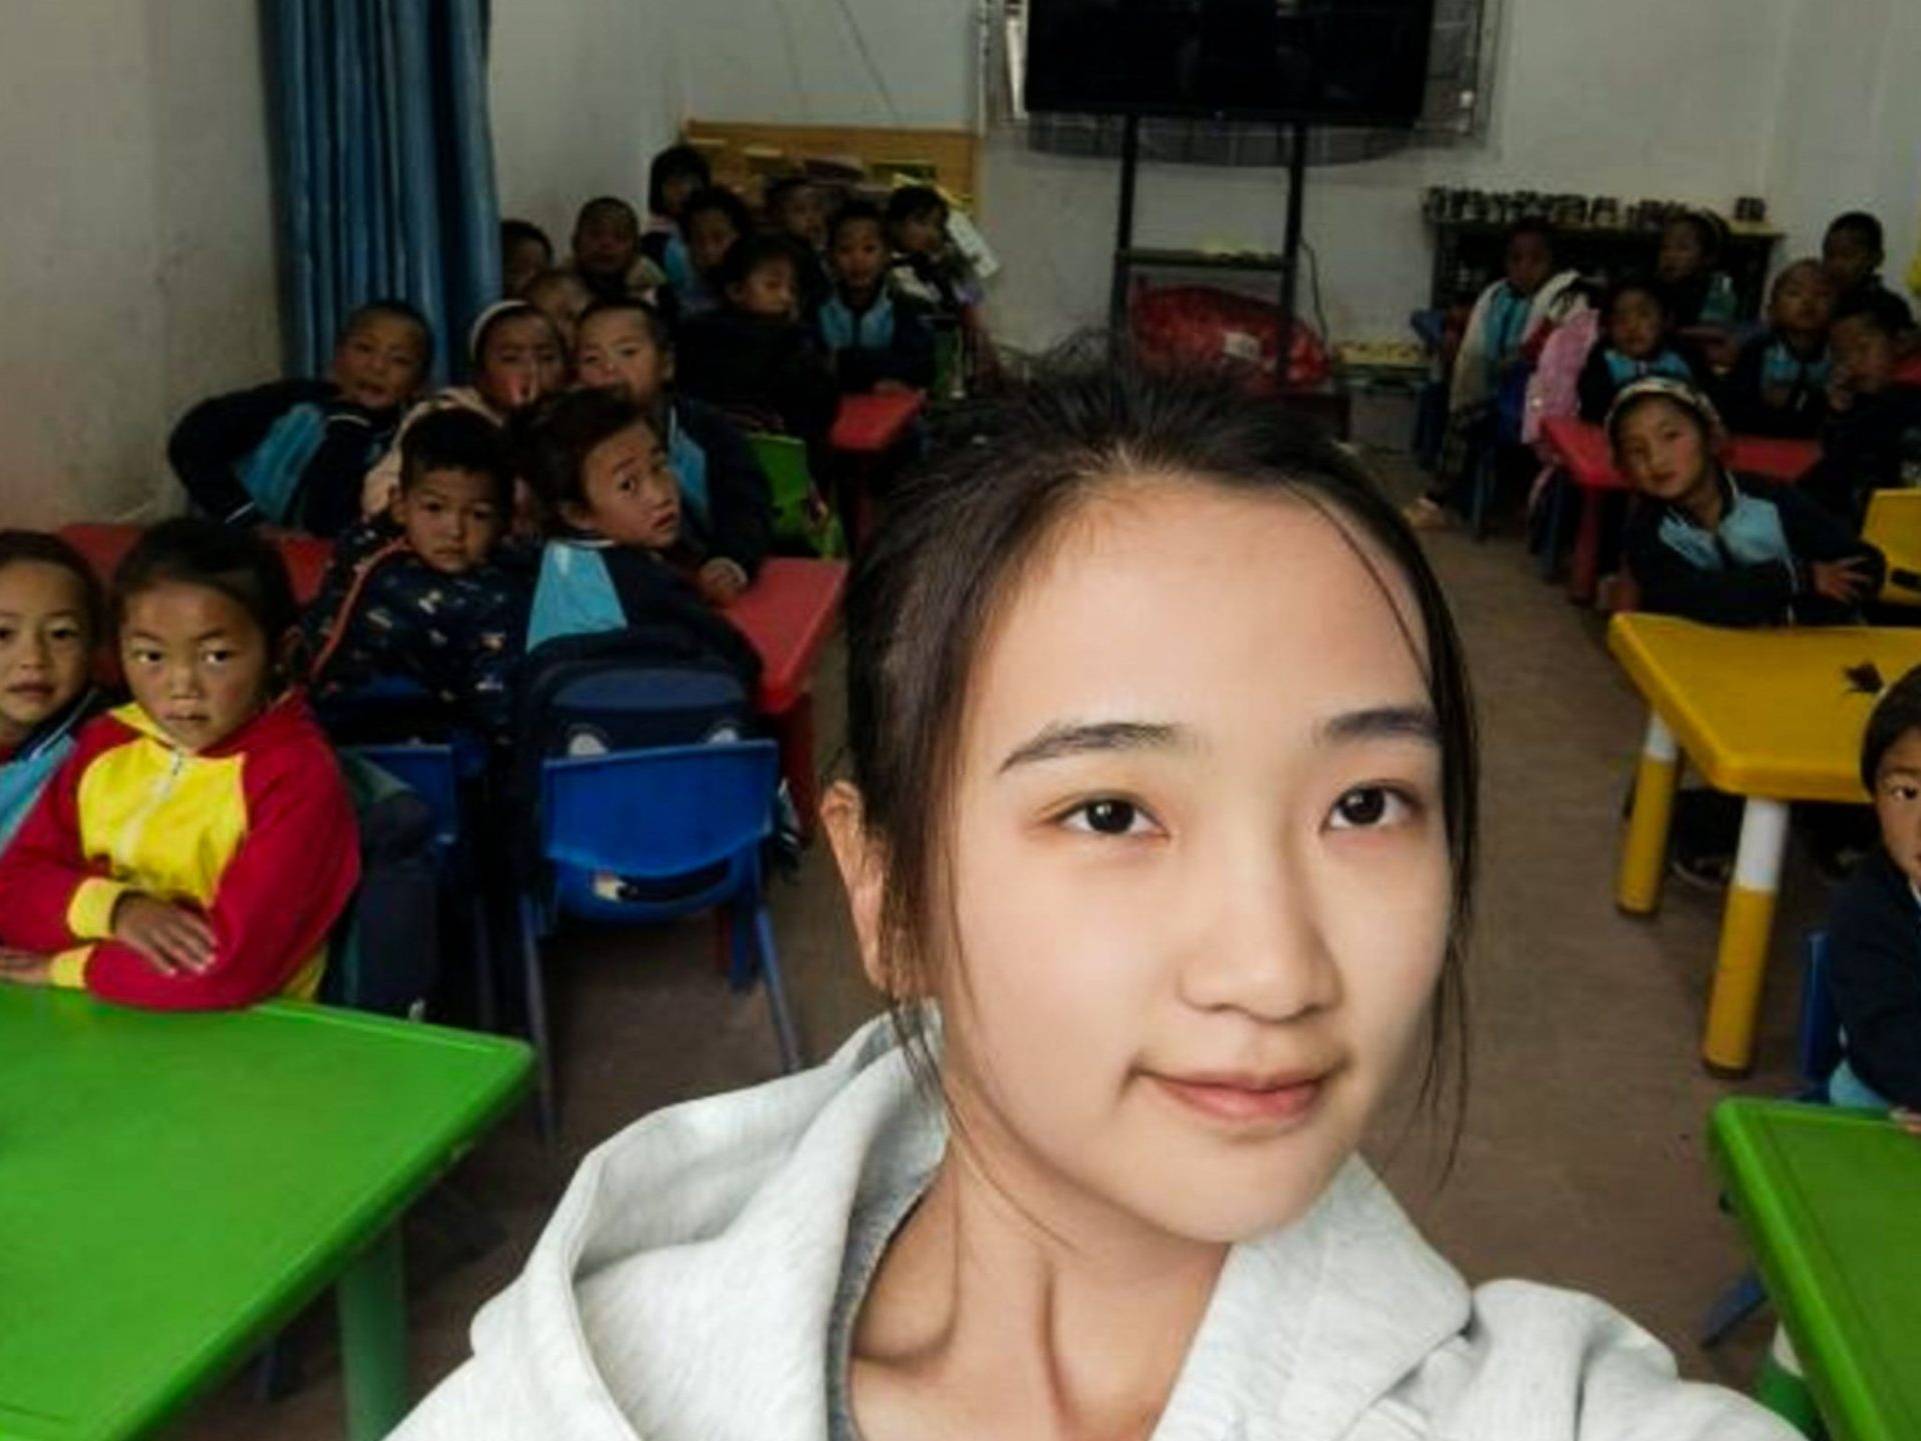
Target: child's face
(1663, 451)
(196, 661)
(523, 260)
(617, 352)
(675, 190)
(803, 215)
(632, 496)
(605, 244)
(452, 519)
(520, 362)
(378, 364)
(1681, 253)
(45, 647)
(1637, 325)
(1897, 804)
(1199, 874)
(859, 255)
(1848, 258)
(921, 234)
(769, 292)
(709, 233)
(1529, 263)
(1864, 357)
(1803, 301)
(561, 298)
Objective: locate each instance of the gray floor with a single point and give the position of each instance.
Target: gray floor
(1582, 1162)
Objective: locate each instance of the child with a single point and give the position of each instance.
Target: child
(197, 847)
(876, 341)
(675, 174)
(292, 453)
(1636, 341)
(929, 268)
(1851, 253)
(607, 255)
(1696, 293)
(1720, 548)
(421, 593)
(754, 359)
(1874, 924)
(1872, 437)
(525, 251)
(517, 358)
(50, 627)
(611, 494)
(1161, 883)
(726, 517)
(1486, 397)
(561, 296)
(1779, 384)
(797, 208)
(713, 220)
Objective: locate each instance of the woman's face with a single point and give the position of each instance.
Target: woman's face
(1200, 875)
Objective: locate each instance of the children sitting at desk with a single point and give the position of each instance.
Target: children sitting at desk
(713, 220)
(292, 452)
(1874, 923)
(607, 254)
(726, 517)
(1779, 384)
(1872, 437)
(1696, 293)
(876, 341)
(199, 844)
(797, 208)
(929, 267)
(674, 176)
(51, 623)
(1636, 341)
(1720, 548)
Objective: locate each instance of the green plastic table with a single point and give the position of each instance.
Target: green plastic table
(175, 1187)
(1830, 1201)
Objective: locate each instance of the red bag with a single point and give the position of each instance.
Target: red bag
(1199, 322)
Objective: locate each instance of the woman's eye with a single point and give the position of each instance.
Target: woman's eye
(1368, 807)
(1107, 818)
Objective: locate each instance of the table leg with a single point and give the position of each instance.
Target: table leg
(796, 727)
(1586, 560)
(1747, 925)
(372, 1301)
(1644, 851)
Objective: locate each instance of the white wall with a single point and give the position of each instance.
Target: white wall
(137, 267)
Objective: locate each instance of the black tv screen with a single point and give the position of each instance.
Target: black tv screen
(1348, 62)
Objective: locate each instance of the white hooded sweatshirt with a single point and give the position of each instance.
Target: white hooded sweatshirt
(683, 1291)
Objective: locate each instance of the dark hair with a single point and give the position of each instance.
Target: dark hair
(1879, 309)
(561, 433)
(955, 541)
(236, 563)
(1682, 395)
(676, 162)
(1894, 715)
(390, 308)
(852, 212)
(1635, 285)
(602, 205)
(37, 546)
(777, 191)
(717, 197)
(658, 330)
(911, 202)
(1708, 228)
(1862, 224)
(513, 232)
(1533, 225)
(751, 252)
(1806, 262)
(502, 312)
(457, 439)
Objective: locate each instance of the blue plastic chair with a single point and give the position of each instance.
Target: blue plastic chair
(651, 835)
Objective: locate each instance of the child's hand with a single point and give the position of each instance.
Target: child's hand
(720, 581)
(24, 968)
(1843, 580)
(1909, 1121)
(172, 938)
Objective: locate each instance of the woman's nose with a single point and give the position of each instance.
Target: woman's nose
(1261, 948)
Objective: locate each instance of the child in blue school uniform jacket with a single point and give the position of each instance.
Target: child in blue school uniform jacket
(1636, 342)
(876, 340)
(51, 617)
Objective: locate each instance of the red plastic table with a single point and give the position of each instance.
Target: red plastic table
(873, 424)
(105, 546)
(1582, 450)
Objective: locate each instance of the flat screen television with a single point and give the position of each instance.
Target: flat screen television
(1345, 62)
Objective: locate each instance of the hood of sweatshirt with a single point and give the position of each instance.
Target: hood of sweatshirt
(684, 1286)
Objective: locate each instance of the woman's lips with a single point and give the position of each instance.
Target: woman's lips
(1246, 1100)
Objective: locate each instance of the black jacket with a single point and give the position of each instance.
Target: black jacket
(908, 356)
(1866, 448)
(1741, 594)
(1747, 410)
(767, 374)
(1874, 968)
(740, 519)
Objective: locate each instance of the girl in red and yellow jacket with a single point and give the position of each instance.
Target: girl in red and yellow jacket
(198, 846)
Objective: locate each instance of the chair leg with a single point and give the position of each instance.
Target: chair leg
(1478, 496)
(547, 1113)
(1550, 558)
(769, 958)
(1731, 1308)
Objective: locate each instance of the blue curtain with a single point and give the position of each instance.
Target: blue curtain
(385, 166)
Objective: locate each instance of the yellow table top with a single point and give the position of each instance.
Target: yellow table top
(1893, 526)
(1766, 712)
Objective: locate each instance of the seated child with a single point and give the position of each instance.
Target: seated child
(525, 251)
(1851, 253)
(607, 253)
(561, 296)
(876, 342)
(1779, 384)
(1717, 547)
(614, 504)
(675, 174)
(1874, 923)
(1872, 437)
(929, 268)
(517, 359)
(51, 617)
(199, 844)
(1636, 341)
(754, 359)
(1696, 293)
(292, 453)
(421, 592)
(797, 208)
(726, 516)
(713, 220)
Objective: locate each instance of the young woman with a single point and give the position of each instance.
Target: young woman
(1159, 841)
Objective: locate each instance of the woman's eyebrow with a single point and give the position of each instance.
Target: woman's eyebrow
(1068, 739)
(1389, 722)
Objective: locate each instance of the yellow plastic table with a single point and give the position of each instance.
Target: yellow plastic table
(1893, 527)
(1766, 714)
(174, 1187)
